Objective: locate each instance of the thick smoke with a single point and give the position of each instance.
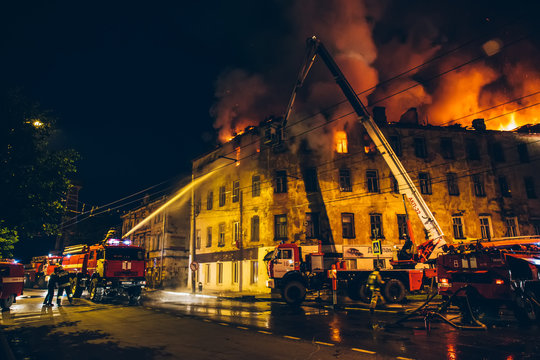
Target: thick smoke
(449, 63)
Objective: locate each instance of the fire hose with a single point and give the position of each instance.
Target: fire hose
(428, 316)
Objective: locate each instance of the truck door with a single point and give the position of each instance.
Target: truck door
(283, 263)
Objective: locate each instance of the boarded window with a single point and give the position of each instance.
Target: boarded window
(255, 228)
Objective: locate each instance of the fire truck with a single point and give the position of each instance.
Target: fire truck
(488, 275)
(110, 269)
(11, 282)
(294, 273)
(39, 270)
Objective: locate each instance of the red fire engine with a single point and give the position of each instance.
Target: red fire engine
(11, 282)
(110, 269)
(39, 270)
(490, 274)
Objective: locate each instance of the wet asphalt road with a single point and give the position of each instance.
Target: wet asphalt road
(172, 325)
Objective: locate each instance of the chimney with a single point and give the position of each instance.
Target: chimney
(379, 115)
(409, 117)
(479, 125)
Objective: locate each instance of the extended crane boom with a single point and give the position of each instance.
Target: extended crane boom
(406, 186)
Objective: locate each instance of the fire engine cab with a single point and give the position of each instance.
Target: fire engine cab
(109, 269)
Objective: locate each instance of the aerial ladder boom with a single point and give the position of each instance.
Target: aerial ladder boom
(406, 186)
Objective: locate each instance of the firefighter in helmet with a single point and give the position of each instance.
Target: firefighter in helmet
(63, 284)
(374, 282)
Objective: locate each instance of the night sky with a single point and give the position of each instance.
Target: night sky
(137, 86)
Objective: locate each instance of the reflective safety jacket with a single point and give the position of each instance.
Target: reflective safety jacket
(375, 280)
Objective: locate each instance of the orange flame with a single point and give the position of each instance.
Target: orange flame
(340, 138)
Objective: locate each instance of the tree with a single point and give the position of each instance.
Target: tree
(34, 178)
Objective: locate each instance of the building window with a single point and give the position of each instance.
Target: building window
(372, 181)
(395, 142)
(341, 142)
(402, 226)
(497, 152)
(221, 235)
(236, 235)
(347, 225)
(523, 153)
(394, 184)
(209, 236)
(511, 227)
(220, 273)
(471, 146)
(452, 183)
(255, 185)
(457, 225)
(222, 196)
(345, 180)
(312, 225)
(375, 221)
(447, 148)
(255, 228)
(485, 227)
(280, 227)
(235, 272)
(530, 189)
(478, 185)
(281, 181)
(505, 188)
(207, 273)
(235, 191)
(197, 239)
(197, 205)
(425, 183)
(420, 149)
(254, 272)
(209, 200)
(310, 180)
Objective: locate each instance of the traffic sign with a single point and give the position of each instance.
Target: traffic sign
(376, 245)
(194, 266)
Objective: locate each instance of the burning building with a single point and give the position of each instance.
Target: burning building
(271, 184)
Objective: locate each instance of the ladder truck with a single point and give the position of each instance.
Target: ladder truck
(294, 273)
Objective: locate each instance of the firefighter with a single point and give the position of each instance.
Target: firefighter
(407, 251)
(53, 279)
(374, 282)
(63, 284)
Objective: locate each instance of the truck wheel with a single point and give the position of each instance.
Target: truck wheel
(394, 291)
(365, 293)
(6, 303)
(524, 310)
(294, 292)
(94, 291)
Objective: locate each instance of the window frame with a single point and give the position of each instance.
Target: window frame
(479, 188)
(208, 236)
(424, 180)
(452, 184)
(236, 191)
(403, 231)
(255, 228)
(222, 196)
(280, 227)
(373, 225)
(347, 231)
(312, 225)
(345, 181)
(372, 181)
(447, 148)
(221, 234)
(458, 228)
(420, 147)
(209, 200)
(280, 182)
(255, 186)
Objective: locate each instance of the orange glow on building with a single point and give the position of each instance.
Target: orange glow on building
(341, 142)
(238, 156)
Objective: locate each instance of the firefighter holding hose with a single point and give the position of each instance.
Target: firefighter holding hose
(63, 284)
(374, 282)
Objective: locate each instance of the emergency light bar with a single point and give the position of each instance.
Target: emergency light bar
(118, 242)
